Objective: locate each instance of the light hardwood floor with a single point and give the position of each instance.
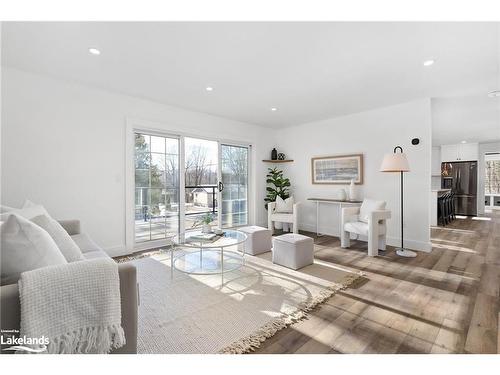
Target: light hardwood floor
(446, 301)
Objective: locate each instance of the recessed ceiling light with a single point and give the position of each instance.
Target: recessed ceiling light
(428, 62)
(94, 51)
(464, 141)
(274, 109)
(494, 94)
(209, 88)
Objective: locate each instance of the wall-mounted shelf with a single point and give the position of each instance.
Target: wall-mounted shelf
(278, 161)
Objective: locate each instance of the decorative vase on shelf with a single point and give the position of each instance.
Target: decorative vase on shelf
(342, 195)
(274, 154)
(207, 228)
(352, 191)
(281, 156)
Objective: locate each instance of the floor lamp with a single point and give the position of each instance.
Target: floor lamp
(397, 162)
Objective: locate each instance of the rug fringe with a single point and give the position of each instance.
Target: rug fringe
(252, 342)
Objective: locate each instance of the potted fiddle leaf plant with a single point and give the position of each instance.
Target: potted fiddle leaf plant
(278, 186)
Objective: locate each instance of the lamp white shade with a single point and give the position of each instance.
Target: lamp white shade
(396, 162)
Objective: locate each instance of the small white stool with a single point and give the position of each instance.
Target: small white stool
(293, 250)
(258, 239)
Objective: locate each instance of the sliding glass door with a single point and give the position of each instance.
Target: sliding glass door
(214, 181)
(156, 187)
(234, 178)
(201, 181)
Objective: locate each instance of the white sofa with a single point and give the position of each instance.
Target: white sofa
(372, 225)
(287, 218)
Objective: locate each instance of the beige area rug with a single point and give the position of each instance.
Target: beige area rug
(182, 313)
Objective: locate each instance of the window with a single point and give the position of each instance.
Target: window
(156, 187)
(492, 174)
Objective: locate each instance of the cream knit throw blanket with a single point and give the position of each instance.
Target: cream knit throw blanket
(76, 306)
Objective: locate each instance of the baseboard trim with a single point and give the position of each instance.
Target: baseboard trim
(117, 251)
(391, 241)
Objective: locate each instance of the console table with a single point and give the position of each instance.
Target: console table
(338, 202)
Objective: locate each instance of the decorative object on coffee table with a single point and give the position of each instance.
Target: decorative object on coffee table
(206, 221)
(337, 169)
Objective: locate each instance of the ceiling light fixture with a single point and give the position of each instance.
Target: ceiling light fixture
(209, 88)
(94, 51)
(494, 94)
(428, 62)
(464, 141)
(274, 109)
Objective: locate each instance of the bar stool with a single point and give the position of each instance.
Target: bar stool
(442, 209)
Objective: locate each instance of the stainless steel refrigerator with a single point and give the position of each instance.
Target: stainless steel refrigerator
(461, 178)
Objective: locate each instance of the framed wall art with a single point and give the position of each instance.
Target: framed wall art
(339, 169)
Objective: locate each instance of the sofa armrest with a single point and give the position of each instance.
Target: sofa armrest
(10, 310)
(10, 313)
(71, 226)
(129, 299)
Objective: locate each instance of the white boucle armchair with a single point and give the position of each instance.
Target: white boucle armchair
(289, 218)
(375, 229)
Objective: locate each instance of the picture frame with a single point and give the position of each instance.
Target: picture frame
(337, 169)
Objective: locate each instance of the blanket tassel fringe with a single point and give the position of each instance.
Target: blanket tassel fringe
(98, 340)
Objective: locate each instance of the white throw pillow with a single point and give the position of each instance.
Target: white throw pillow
(25, 247)
(284, 205)
(4, 209)
(368, 206)
(29, 211)
(64, 242)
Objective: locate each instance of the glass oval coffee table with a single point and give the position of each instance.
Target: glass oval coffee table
(214, 254)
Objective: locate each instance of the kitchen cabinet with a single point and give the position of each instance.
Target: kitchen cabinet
(460, 152)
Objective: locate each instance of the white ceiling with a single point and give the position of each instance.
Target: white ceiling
(309, 71)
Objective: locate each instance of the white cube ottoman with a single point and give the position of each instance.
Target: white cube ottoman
(293, 250)
(258, 241)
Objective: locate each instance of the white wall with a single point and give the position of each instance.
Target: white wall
(63, 145)
(436, 167)
(372, 133)
(483, 149)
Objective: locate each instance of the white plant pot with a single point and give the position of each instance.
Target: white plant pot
(207, 228)
(278, 225)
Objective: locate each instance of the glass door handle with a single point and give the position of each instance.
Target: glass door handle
(221, 186)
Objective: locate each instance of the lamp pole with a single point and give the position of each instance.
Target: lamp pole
(402, 251)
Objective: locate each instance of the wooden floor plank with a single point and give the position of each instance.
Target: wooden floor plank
(446, 301)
